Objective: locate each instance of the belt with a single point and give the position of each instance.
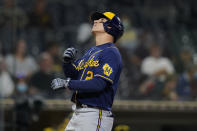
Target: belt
(79, 105)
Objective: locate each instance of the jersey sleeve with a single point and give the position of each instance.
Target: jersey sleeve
(70, 69)
(108, 65)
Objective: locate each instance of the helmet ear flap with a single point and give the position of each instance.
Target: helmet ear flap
(108, 27)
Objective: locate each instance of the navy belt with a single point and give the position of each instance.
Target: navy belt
(79, 105)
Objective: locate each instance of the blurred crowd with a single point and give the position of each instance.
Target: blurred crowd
(158, 47)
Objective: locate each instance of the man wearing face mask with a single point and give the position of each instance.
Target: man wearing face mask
(27, 107)
(22, 107)
(21, 85)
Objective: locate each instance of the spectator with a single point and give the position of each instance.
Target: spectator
(187, 84)
(130, 76)
(141, 51)
(21, 107)
(41, 80)
(6, 83)
(129, 39)
(39, 27)
(21, 87)
(81, 36)
(20, 63)
(155, 65)
(11, 15)
(53, 49)
(26, 107)
(169, 92)
(132, 62)
(40, 17)
(84, 40)
(184, 59)
(156, 68)
(12, 22)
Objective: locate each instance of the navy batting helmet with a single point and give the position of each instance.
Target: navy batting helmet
(112, 26)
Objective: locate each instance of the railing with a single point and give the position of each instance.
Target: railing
(119, 105)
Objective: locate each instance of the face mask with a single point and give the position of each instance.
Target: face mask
(21, 87)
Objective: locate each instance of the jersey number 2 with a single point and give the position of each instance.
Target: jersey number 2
(89, 75)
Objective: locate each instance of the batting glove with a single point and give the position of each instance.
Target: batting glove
(59, 83)
(69, 55)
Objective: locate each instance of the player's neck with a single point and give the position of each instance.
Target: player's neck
(103, 38)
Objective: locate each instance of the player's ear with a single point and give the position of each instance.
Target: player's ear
(109, 27)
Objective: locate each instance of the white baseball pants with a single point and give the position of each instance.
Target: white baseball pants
(90, 119)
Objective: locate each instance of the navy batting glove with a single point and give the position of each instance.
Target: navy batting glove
(60, 83)
(69, 55)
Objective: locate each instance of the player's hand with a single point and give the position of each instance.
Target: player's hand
(59, 83)
(69, 55)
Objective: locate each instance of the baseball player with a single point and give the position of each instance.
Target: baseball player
(94, 77)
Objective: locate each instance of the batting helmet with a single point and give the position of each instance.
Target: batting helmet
(112, 26)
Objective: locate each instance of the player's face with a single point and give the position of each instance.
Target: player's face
(98, 25)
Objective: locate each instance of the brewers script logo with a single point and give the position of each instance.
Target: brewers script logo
(107, 70)
(90, 63)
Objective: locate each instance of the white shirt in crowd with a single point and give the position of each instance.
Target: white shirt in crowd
(6, 84)
(17, 67)
(151, 65)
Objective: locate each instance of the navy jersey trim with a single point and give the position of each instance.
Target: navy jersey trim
(99, 120)
(111, 81)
